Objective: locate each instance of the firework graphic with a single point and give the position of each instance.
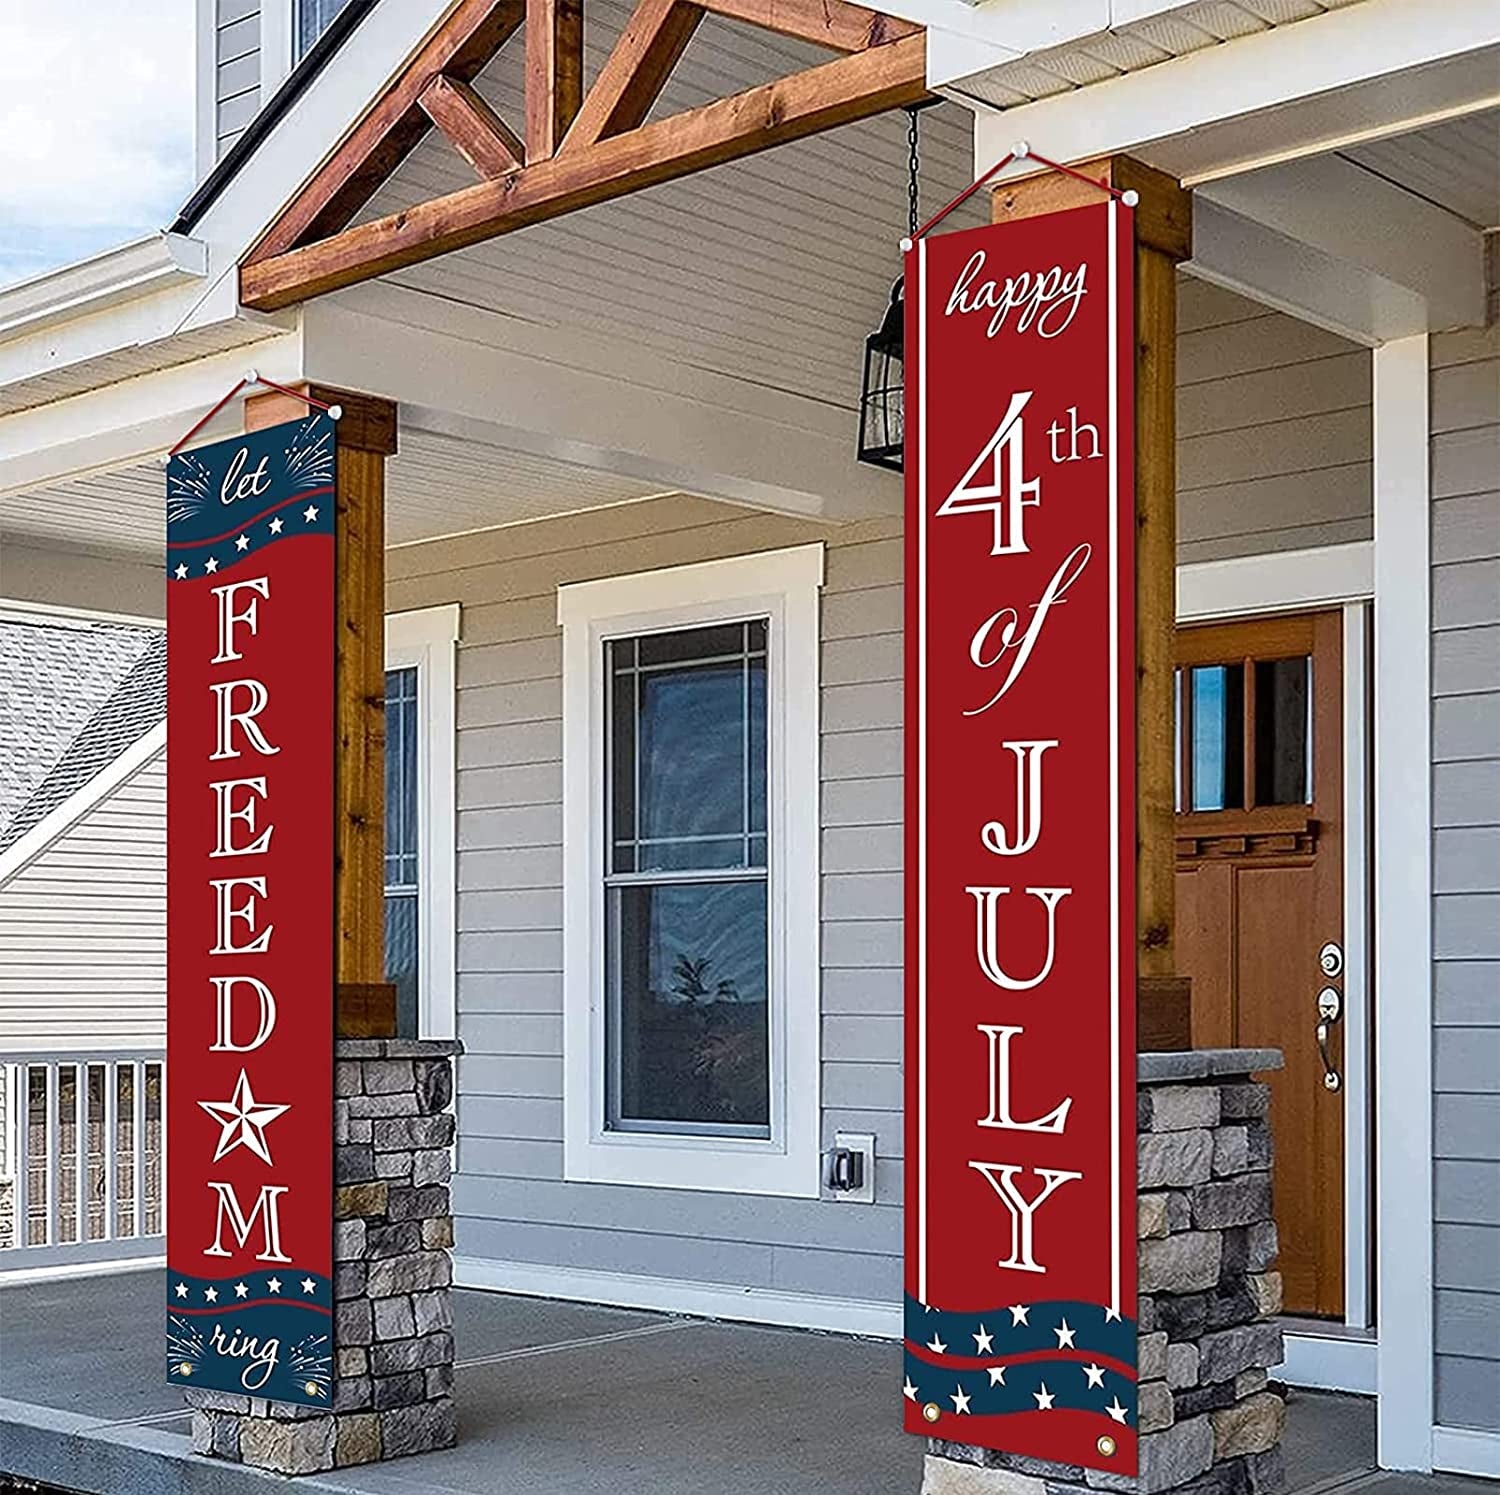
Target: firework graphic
(187, 488)
(309, 454)
(185, 1346)
(310, 1365)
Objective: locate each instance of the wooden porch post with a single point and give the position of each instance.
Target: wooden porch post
(1163, 230)
(366, 1003)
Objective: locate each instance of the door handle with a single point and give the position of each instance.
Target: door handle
(1331, 1077)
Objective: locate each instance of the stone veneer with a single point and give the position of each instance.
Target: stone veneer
(1209, 1422)
(393, 1273)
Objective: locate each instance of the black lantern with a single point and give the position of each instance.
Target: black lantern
(882, 394)
(882, 426)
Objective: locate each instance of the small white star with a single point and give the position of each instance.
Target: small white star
(909, 1391)
(1043, 1399)
(984, 1341)
(1111, 1315)
(243, 543)
(1115, 1410)
(308, 1285)
(241, 1290)
(181, 572)
(1064, 1336)
(273, 1284)
(937, 1346)
(275, 526)
(210, 1295)
(310, 513)
(1017, 1314)
(211, 564)
(182, 1289)
(1095, 1374)
(997, 1375)
(243, 1123)
(960, 1400)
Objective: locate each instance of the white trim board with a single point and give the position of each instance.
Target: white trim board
(668, 1295)
(1466, 1451)
(1279, 581)
(1327, 1362)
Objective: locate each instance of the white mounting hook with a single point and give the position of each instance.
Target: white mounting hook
(1021, 150)
(1130, 197)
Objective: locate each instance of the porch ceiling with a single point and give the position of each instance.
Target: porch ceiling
(1455, 164)
(772, 269)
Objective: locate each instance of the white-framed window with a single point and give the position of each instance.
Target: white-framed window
(420, 846)
(690, 863)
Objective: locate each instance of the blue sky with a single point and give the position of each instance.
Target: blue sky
(96, 126)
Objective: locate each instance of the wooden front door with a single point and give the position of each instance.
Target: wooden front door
(1260, 901)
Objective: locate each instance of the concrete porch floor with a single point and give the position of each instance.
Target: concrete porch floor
(554, 1399)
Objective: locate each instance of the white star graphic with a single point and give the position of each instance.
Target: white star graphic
(1115, 1410)
(243, 543)
(937, 1346)
(1017, 1314)
(182, 1289)
(984, 1341)
(997, 1375)
(273, 1284)
(909, 1391)
(960, 1400)
(308, 1285)
(1043, 1399)
(210, 1295)
(1111, 1315)
(275, 526)
(181, 572)
(244, 1123)
(241, 1290)
(1095, 1374)
(310, 513)
(1064, 1336)
(211, 564)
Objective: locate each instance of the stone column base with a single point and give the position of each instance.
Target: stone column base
(393, 1313)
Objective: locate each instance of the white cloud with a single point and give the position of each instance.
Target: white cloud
(96, 125)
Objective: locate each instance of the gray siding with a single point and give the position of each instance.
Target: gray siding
(236, 69)
(83, 929)
(1466, 874)
(510, 1199)
(1273, 430)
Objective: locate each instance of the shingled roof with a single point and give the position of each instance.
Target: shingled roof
(74, 695)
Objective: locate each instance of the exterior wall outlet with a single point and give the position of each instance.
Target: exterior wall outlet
(850, 1171)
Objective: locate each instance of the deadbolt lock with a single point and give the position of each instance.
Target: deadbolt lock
(1331, 960)
(1330, 1005)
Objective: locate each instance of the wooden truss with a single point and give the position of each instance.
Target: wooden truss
(579, 148)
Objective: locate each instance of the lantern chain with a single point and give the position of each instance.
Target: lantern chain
(913, 165)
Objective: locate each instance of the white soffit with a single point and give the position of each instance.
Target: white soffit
(1126, 48)
(1455, 164)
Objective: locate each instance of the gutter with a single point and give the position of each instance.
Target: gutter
(155, 263)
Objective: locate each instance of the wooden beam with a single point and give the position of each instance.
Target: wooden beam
(839, 25)
(1163, 231)
(554, 73)
(849, 88)
(464, 43)
(366, 437)
(473, 129)
(635, 72)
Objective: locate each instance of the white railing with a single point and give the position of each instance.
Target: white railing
(82, 1158)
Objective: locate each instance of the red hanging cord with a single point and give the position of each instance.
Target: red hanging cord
(1019, 152)
(252, 378)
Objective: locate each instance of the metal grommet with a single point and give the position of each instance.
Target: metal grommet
(931, 1411)
(1106, 1445)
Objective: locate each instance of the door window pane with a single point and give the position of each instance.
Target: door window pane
(313, 19)
(1283, 731)
(401, 845)
(1218, 755)
(687, 1039)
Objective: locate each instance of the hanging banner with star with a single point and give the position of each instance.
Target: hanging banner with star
(1020, 850)
(250, 681)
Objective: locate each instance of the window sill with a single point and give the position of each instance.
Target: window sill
(723, 1165)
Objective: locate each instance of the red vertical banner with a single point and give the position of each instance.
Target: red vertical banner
(1020, 838)
(250, 619)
